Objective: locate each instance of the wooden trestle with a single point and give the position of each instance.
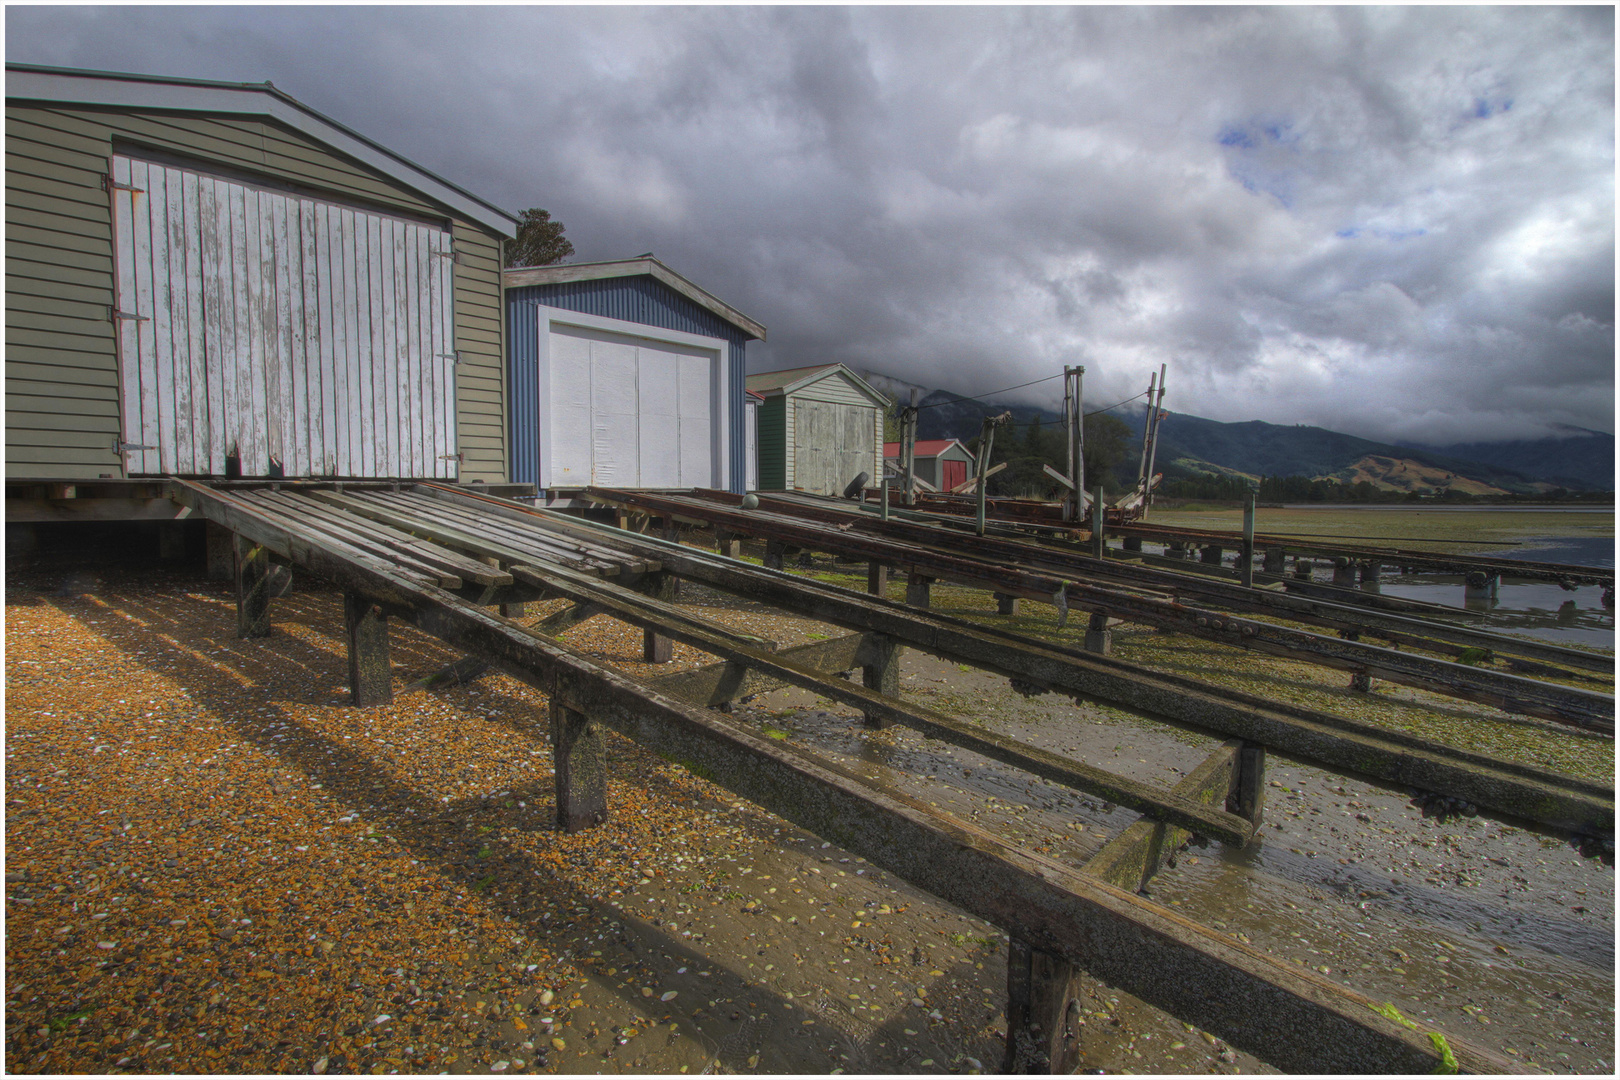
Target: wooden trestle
(440, 556)
(1012, 568)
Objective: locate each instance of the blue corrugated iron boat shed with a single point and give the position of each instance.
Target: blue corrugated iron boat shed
(641, 290)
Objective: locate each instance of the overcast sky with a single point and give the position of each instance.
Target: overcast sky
(1393, 222)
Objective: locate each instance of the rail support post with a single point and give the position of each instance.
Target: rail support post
(917, 589)
(252, 588)
(1006, 605)
(655, 647)
(1043, 1009)
(727, 544)
(1099, 639)
(1248, 794)
(578, 747)
(775, 551)
(220, 564)
(1099, 524)
(1211, 555)
(1131, 543)
(517, 609)
(1480, 585)
(881, 674)
(877, 579)
(1360, 681)
(1274, 560)
(1246, 551)
(1369, 572)
(1175, 549)
(371, 673)
(1344, 571)
(1303, 568)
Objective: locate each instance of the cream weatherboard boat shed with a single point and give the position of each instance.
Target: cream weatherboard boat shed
(211, 279)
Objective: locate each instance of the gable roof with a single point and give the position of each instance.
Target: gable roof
(925, 447)
(644, 265)
(71, 86)
(789, 380)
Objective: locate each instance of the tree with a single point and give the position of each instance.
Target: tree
(539, 241)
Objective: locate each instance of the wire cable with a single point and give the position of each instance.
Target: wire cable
(987, 393)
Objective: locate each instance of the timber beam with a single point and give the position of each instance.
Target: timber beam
(1306, 735)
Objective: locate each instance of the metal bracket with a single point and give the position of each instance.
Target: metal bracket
(109, 184)
(122, 447)
(459, 456)
(113, 315)
(455, 356)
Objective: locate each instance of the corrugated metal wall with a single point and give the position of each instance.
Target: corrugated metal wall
(642, 300)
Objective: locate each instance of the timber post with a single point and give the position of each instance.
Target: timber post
(1132, 543)
(1303, 568)
(579, 749)
(727, 544)
(877, 578)
(1043, 1007)
(775, 550)
(1274, 561)
(1480, 585)
(171, 541)
(1005, 604)
(657, 648)
(1248, 794)
(1099, 518)
(252, 587)
(882, 673)
(1246, 554)
(1099, 639)
(917, 589)
(1210, 555)
(1344, 572)
(1369, 572)
(371, 673)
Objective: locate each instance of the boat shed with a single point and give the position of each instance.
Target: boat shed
(624, 374)
(751, 403)
(211, 279)
(820, 428)
(942, 463)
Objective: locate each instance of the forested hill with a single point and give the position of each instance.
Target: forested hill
(1577, 458)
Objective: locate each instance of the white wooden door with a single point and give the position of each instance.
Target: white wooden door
(300, 335)
(629, 412)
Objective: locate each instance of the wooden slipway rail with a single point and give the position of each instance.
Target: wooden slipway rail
(1056, 916)
(1427, 634)
(1511, 693)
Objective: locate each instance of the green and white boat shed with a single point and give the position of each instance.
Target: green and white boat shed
(819, 428)
(212, 279)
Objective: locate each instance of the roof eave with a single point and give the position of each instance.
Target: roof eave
(69, 86)
(519, 277)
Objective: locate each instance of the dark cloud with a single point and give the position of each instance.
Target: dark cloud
(1396, 222)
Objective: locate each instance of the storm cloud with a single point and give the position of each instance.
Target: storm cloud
(1394, 222)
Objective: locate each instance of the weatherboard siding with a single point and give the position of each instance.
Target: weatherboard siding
(639, 299)
(61, 353)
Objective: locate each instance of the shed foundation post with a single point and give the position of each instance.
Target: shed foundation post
(877, 579)
(371, 673)
(1043, 1007)
(882, 675)
(917, 589)
(579, 749)
(221, 564)
(171, 541)
(252, 564)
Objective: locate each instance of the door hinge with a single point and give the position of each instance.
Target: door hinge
(122, 447)
(458, 456)
(109, 184)
(113, 315)
(455, 356)
(453, 256)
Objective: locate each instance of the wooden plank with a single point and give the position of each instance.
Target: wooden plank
(547, 545)
(728, 681)
(213, 227)
(292, 520)
(1130, 859)
(129, 345)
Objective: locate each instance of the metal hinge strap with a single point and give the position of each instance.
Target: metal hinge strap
(122, 447)
(453, 457)
(456, 356)
(109, 184)
(113, 315)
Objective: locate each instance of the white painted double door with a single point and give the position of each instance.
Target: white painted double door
(631, 412)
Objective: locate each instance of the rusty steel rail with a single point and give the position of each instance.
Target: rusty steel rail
(1511, 693)
(1292, 1018)
(1334, 742)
